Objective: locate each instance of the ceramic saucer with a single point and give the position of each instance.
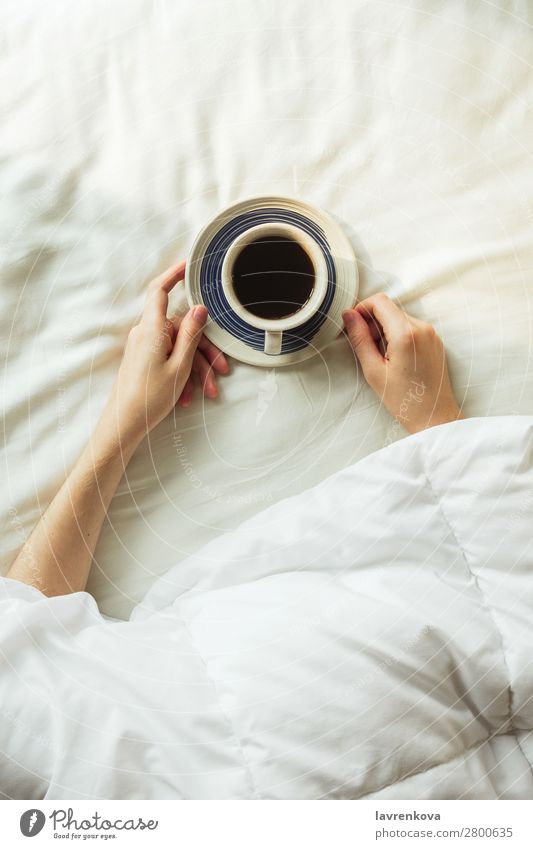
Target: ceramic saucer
(229, 331)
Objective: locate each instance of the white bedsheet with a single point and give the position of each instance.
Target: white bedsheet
(370, 637)
(126, 125)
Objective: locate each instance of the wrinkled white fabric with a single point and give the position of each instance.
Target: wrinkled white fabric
(127, 125)
(370, 637)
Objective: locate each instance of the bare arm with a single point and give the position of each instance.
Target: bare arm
(155, 374)
(57, 557)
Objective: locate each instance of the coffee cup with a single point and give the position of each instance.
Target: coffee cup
(274, 277)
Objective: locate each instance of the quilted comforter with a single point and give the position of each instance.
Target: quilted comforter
(370, 637)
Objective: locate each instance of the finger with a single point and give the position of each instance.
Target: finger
(210, 351)
(205, 374)
(156, 302)
(186, 393)
(189, 335)
(155, 308)
(363, 345)
(214, 356)
(168, 279)
(388, 314)
(374, 326)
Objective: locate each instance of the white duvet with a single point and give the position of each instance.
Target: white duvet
(126, 125)
(370, 637)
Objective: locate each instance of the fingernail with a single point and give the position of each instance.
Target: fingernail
(349, 317)
(200, 314)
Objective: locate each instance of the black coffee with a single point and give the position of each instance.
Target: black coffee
(273, 277)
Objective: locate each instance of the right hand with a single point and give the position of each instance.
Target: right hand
(159, 360)
(404, 361)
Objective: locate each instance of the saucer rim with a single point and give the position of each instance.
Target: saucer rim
(341, 252)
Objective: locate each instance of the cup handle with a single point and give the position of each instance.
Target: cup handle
(273, 339)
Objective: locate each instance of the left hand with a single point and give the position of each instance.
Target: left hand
(161, 356)
(404, 361)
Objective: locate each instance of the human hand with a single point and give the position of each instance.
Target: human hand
(159, 361)
(404, 361)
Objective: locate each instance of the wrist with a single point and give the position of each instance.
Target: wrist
(117, 435)
(438, 418)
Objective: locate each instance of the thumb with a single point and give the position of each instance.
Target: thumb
(363, 345)
(189, 335)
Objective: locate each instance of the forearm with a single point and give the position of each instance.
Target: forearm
(155, 374)
(57, 557)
